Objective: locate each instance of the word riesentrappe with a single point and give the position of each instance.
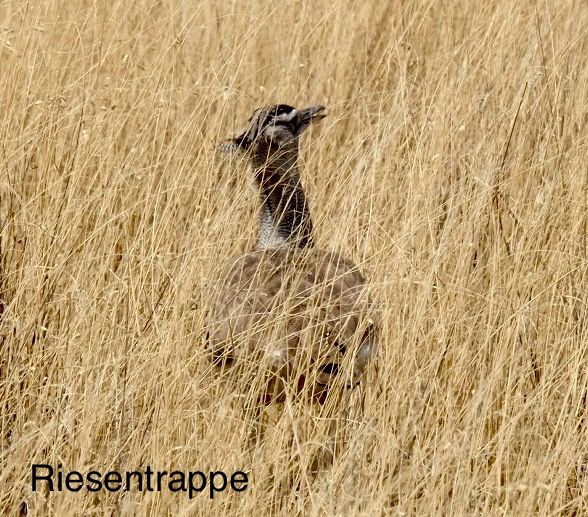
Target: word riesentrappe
(192, 482)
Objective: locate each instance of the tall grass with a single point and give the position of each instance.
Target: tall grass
(452, 166)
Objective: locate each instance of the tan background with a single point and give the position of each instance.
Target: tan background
(452, 166)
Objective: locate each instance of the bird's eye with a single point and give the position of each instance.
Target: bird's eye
(283, 109)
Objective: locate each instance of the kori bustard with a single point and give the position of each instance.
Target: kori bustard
(299, 314)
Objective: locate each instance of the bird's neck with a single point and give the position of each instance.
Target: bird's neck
(285, 216)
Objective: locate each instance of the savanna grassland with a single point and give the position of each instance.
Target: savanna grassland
(452, 166)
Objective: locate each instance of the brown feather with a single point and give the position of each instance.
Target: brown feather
(295, 311)
(298, 314)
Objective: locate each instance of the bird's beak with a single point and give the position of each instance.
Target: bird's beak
(311, 114)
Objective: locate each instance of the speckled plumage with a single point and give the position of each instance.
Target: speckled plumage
(289, 308)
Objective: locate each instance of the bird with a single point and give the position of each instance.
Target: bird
(299, 314)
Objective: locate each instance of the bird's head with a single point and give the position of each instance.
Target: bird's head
(273, 128)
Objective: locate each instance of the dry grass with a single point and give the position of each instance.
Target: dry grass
(453, 166)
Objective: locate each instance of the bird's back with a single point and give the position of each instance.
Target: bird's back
(293, 309)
